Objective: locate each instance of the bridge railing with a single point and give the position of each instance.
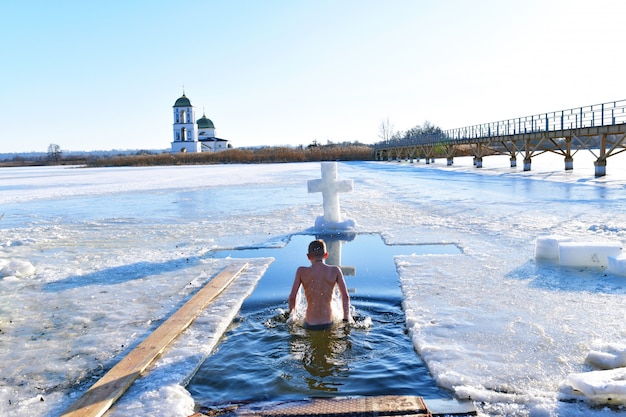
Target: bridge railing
(604, 114)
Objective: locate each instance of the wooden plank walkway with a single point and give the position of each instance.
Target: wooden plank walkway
(101, 396)
(384, 405)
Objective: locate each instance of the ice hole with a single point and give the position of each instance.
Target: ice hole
(264, 357)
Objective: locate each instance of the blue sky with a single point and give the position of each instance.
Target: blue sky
(102, 75)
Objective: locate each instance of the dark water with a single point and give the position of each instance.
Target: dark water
(262, 357)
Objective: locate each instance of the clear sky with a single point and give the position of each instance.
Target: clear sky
(104, 74)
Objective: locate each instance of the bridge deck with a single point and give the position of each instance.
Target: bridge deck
(600, 127)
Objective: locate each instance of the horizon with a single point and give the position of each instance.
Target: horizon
(97, 76)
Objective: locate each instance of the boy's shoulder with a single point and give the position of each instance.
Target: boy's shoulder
(303, 269)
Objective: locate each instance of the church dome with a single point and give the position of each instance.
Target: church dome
(204, 123)
(183, 102)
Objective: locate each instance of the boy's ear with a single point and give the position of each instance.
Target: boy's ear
(326, 255)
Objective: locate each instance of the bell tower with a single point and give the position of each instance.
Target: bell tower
(185, 134)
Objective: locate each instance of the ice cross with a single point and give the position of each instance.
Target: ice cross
(330, 187)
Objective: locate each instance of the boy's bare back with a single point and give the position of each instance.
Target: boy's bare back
(318, 281)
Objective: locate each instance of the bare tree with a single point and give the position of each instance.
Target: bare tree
(54, 153)
(385, 130)
(429, 128)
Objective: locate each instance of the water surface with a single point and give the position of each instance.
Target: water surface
(262, 357)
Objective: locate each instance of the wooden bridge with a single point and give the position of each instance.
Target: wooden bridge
(600, 129)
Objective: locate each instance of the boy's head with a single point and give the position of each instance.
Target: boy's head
(317, 249)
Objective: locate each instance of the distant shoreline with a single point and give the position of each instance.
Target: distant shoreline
(230, 156)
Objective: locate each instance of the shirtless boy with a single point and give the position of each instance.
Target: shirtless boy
(318, 281)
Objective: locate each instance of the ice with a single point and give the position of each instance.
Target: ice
(581, 254)
(330, 187)
(617, 264)
(607, 356)
(547, 247)
(599, 387)
(588, 254)
(605, 386)
(116, 251)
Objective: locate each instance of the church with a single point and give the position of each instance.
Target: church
(191, 135)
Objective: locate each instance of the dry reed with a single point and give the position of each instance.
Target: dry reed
(242, 156)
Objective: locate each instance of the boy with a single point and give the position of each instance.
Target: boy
(318, 281)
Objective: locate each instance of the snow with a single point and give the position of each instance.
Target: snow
(92, 260)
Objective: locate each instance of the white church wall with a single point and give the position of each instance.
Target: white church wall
(188, 146)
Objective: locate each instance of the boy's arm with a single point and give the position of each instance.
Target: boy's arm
(294, 291)
(345, 297)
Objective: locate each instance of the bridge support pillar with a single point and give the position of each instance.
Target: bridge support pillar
(569, 163)
(478, 161)
(427, 161)
(513, 162)
(600, 165)
(450, 161)
(527, 162)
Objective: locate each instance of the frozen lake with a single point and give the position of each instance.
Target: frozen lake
(91, 260)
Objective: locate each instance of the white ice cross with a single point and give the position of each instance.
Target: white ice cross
(330, 187)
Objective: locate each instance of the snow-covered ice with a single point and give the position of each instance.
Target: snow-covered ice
(92, 260)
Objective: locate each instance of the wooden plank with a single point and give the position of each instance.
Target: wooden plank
(384, 405)
(99, 398)
(368, 406)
